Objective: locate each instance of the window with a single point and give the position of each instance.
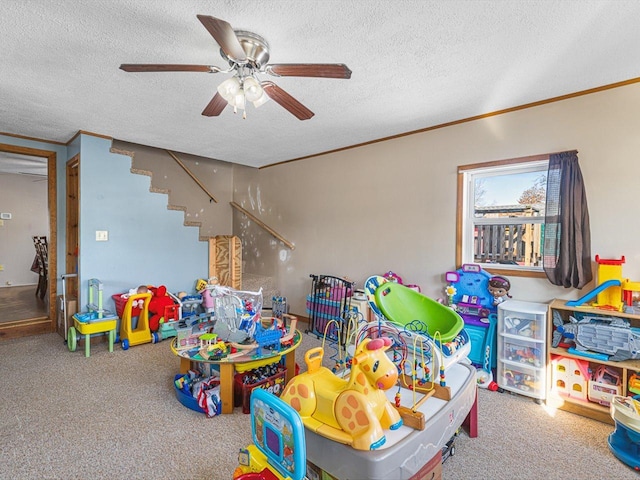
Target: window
(501, 214)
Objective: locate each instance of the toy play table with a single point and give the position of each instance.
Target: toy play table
(407, 452)
(106, 325)
(240, 363)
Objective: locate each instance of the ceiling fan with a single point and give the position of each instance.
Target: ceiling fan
(248, 54)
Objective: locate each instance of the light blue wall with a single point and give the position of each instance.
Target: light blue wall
(148, 244)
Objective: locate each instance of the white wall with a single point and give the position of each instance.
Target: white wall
(392, 205)
(25, 198)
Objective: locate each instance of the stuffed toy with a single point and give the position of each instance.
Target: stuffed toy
(157, 304)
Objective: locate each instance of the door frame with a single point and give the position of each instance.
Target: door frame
(21, 328)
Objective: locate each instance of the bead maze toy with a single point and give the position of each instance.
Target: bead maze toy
(95, 320)
(353, 411)
(419, 315)
(278, 451)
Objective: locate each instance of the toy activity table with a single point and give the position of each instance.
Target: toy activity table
(95, 320)
(89, 327)
(406, 452)
(239, 363)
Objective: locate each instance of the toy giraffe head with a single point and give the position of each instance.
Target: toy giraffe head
(371, 368)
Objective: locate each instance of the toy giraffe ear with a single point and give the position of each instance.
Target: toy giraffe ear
(359, 358)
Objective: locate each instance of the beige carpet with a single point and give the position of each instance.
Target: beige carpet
(115, 415)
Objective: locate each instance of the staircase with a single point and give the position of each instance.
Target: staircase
(184, 194)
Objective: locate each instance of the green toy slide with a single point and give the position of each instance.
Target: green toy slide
(412, 310)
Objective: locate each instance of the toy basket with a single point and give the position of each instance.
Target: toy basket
(242, 391)
(120, 300)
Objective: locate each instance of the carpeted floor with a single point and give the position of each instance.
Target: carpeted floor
(115, 415)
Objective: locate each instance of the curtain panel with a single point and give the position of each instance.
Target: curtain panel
(567, 234)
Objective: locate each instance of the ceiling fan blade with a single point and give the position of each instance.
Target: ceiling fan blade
(223, 33)
(278, 95)
(215, 107)
(158, 67)
(325, 70)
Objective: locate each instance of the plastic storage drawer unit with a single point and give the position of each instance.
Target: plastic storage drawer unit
(521, 363)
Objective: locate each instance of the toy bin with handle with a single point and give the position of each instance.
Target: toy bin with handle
(120, 300)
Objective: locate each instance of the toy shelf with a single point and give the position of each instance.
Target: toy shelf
(626, 368)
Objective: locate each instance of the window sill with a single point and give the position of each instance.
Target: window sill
(512, 272)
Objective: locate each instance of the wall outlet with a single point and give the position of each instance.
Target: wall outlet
(102, 235)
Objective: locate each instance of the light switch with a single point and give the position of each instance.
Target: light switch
(102, 235)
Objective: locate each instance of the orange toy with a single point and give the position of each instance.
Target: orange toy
(354, 411)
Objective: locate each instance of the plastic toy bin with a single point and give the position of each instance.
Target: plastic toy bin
(242, 391)
(186, 399)
(120, 302)
(518, 378)
(521, 351)
(522, 323)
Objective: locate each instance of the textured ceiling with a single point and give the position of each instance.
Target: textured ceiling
(415, 64)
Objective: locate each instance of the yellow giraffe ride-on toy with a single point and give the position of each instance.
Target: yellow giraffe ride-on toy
(353, 411)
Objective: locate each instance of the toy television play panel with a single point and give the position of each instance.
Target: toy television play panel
(406, 451)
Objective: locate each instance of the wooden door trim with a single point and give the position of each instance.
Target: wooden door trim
(29, 327)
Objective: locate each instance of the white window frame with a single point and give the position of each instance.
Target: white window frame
(467, 174)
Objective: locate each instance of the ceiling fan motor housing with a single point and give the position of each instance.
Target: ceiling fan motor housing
(255, 48)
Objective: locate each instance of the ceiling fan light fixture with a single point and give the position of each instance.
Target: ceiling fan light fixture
(264, 98)
(229, 89)
(252, 89)
(238, 100)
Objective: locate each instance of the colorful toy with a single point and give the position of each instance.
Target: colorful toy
(278, 451)
(499, 288)
(471, 295)
(611, 336)
(421, 381)
(451, 352)
(96, 320)
(157, 305)
(354, 411)
(569, 377)
(408, 308)
(613, 292)
(634, 383)
(130, 336)
(603, 385)
(624, 441)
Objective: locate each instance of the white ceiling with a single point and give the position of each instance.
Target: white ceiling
(415, 64)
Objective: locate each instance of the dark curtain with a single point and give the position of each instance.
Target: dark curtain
(567, 236)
